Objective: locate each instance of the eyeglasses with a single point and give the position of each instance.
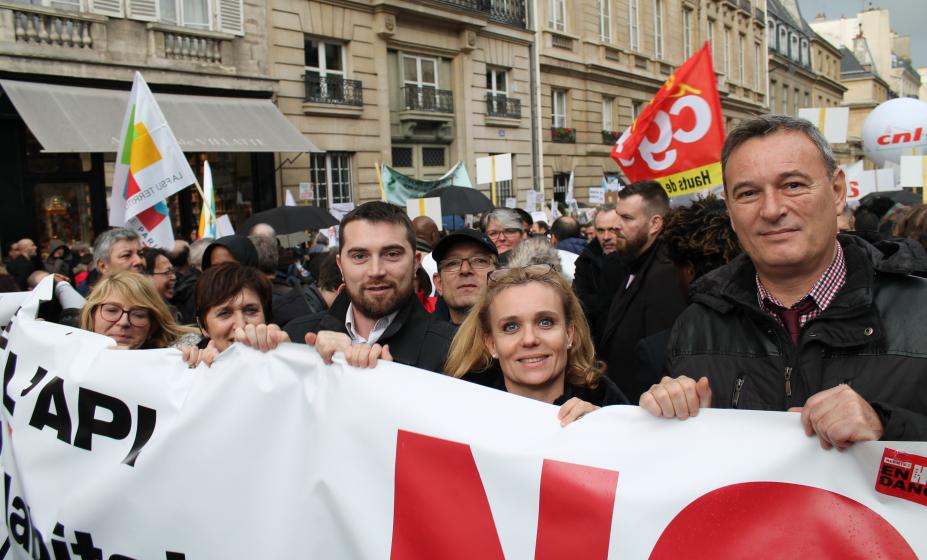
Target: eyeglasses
(532, 271)
(112, 313)
(508, 232)
(167, 272)
(478, 262)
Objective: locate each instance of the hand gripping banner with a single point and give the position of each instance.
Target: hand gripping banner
(678, 136)
(128, 454)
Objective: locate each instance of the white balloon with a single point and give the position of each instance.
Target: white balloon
(895, 128)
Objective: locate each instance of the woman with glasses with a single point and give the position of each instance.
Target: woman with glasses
(505, 228)
(125, 307)
(158, 267)
(528, 336)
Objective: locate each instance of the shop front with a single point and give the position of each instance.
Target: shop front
(60, 142)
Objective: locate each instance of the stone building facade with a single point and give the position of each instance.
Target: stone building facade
(417, 85)
(76, 59)
(601, 61)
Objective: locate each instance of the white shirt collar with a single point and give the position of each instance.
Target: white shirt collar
(379, 327)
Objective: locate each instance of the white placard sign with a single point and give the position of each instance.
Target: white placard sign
(511, 202)
(339, 209)
(596, 195)
(500, 164)
(128, 453)
(430, 207)
(224, 226)
(913, 171)
(833, 122)
(305, 191)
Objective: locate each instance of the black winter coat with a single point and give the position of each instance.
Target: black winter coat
(590, 284)
(649, 305)
(872, 337)
(415, 337)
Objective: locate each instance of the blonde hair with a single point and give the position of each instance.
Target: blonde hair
(469, 351)
(138, 291)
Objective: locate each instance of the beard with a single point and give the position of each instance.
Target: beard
(631, 246)
(379, 307)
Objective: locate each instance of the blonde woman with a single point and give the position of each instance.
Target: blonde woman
(528, 336)
(126, 307)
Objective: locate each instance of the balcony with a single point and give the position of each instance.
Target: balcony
(427, 99)
(500, 105)
(511, 12)
(745, 6)
(563, 135)
(43, 26)
(334, 90)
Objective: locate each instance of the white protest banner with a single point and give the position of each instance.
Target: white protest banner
(596, 195)
(493, 168)
(511, 202)
(833, 122)
(430, 207)
(128, 452)
(531, 202)
(339, 209)
(539, 216)
(855, 188)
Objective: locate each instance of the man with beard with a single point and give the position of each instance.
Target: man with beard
(647, 298)
(377, 315)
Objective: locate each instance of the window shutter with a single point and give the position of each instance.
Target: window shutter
(231, 16)
(144, 10)
(106, 7)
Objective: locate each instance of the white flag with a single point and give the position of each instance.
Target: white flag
(150, 166)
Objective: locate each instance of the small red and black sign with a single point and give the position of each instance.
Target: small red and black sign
(903, 475)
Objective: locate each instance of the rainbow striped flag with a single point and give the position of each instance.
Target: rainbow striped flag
(150, 166)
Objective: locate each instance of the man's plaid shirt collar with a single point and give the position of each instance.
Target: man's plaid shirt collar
(822, 293)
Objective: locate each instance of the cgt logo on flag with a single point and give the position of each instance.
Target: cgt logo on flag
(677, 138)
(903, 475)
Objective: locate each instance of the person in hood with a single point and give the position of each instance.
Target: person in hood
(59, 257)
(231, 248)
(806, 320)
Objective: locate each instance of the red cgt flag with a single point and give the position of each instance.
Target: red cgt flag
(677, 138)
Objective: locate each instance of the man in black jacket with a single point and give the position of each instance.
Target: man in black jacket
(647, 298)
(589, 283)
(806, 320)
(377, 315)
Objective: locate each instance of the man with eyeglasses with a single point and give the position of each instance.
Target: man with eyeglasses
(504, 227)
(465, 257)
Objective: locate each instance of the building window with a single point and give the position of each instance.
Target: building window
(658, 28)
(419, 71)
(757, 70)
(504, 189)
(561, 180)
(741, 54)
(783, 40)
(807, 99)
(726, 52)
(330, 174)
(686, 33)
(772, 96)
(557, 15)
(558, 108)
(771, 34)
(605, 20)
(793, 47)
(785, 99)
(633, 22)
(496, 82)
(420, 85)
(402, 156)
(434, 156)
(711, 36)
(187, 13)
(796, 99)
(636, 108)
(608, 122)
(805, 56)
(324, 76)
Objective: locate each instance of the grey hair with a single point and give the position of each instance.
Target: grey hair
(764, 125)
(103, 246)
(262, 229)
(506, 216)
(197, 248)
(267, 254)
(535, 250)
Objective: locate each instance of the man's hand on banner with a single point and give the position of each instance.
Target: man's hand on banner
(367, 355)
(573, 410)
(263, 337)
(840, 417)
(194, 356)
(327, 343)
(679, 397)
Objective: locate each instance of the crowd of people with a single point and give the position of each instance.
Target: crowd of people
(772, 297)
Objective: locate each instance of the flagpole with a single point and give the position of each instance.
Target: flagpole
(199, 189)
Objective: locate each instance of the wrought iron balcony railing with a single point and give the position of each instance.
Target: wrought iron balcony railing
(501, 105)
(335, 90)
(418, 98)
(511, 12)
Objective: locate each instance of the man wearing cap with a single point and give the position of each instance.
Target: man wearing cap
(465, 258)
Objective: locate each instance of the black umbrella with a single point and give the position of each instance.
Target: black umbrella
(908, 198)
(292, 219)
(456, 201)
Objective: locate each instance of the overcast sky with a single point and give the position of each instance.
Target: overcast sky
(909, 17)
